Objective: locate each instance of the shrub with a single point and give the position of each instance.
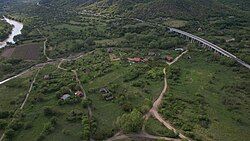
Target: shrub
(130, 122)
(48, 111)
(86, 128)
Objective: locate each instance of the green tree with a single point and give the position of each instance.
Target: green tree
(130, 122)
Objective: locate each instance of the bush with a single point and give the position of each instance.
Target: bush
(3, 124)
(86, 102)
(86, 128)
(48, 111)
(10, 133)
(4, 114)
(130, 122)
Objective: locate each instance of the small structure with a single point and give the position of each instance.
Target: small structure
(79, 94)
(46, 77)
(169, 58)
(151, 54)
(179, 49)
(109, 50)
(230, 40)
(106, 94)
(135, 60)
(65, 96)
(104, 91)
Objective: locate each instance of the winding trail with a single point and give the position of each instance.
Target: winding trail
(140, 135)
(177, 58)
(59, 65)
(154, 110)
(84, 92)
(30, 89)
(44, 46)
(24, 102)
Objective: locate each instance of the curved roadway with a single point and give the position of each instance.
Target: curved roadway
(211, 45)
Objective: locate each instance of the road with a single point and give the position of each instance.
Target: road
(44, 46)
(154, 110)
(211, 45)
(30, 89)
(177, 58)
(140, 135)
(24, 102)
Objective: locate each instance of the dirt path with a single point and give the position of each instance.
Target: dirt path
(59, 65)
(177, 58)
(24, 102)
(44, 46)
(76, 57)
(30, 89)
(154, 110)
(140, 135)
(84, 92)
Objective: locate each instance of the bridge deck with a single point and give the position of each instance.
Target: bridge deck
(211, 45)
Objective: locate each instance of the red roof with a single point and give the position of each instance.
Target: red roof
(136, 59)
(169, 58)
(79, 93)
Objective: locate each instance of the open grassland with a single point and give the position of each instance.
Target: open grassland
(208, 97)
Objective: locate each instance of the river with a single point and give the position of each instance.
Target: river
(17, 27)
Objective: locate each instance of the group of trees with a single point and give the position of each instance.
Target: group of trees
(130, 122)
(48, 128)
(86, 128)
(5, 30)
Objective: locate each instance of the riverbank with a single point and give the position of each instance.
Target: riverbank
(16, 30)
(5, 30)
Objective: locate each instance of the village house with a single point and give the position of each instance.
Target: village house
(230, 40)
(169, 58)
(179, 49)
(65, 96)
(151, 54)
(104, 90)
(109, 50)
(79, 94)
(106, 94)
(46, 77)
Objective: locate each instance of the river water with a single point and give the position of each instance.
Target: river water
(17, 27)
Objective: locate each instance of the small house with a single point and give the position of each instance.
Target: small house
(151, 54)
(169, 58)
(79, 94)
(65, 96)
(109, 50)
(46, 77)
(230, 40)
(104, 90)
(179, 49)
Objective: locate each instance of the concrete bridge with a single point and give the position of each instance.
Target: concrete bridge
(210, 45)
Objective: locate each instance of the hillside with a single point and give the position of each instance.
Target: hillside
(146, 9)
(114, 70)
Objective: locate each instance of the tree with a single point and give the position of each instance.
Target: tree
(48, 111)
(130, 122)
(86, 128)
(10, 133)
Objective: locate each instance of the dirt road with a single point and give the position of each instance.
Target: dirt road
(140, 135)
(24, 102)
(44, 46)
(177, 58)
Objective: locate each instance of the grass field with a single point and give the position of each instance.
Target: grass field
(207, 99)
(12, 95)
